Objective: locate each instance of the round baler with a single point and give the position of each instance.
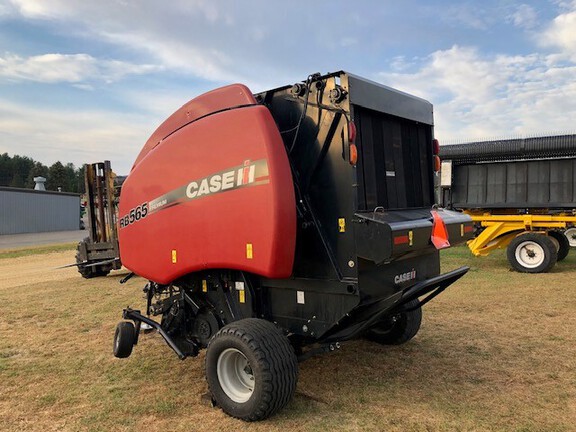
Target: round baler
(273, 227)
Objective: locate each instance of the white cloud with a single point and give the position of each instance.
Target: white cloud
(223, 41)
(74, 136)
(180, 56)
(470, 14)
(525, 16)
(5, 10)
(562, 32)
(478, 96)
(259, 43)
(72, 68)
(348, 41)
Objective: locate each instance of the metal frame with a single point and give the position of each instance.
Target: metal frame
(101, 249)
(500, 230)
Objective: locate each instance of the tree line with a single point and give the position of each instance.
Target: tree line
(19, 172)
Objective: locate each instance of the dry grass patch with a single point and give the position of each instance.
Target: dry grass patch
(496, 352)
(40, 250)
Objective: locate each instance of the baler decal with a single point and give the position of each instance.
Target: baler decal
(134, 215)
(250, 173)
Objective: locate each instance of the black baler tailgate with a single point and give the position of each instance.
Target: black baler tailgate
(383, 235)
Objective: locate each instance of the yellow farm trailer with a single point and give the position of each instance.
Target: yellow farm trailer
(534, 242)
(521, 195)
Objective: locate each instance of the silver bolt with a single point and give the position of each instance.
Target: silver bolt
(351, 264)
(304, 328)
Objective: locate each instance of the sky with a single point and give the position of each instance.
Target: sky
(85, 81)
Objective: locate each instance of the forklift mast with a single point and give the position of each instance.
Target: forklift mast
(99, 253)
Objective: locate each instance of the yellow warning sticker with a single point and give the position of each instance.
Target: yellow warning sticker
(204, 285)
(461, 230)
(174, 256)
(249, 252)
(341, 225)
(242, 296)
(410, 238)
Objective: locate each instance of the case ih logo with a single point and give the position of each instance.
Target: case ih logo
(250, 173)
(405, 277)
(233, 179)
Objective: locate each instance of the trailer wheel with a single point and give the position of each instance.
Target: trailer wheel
(124, 339)
(251, 369)
(532, 253)
(399, 328)
(563, 244)
(570, 234)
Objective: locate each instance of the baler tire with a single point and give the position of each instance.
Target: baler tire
(124, 337)
(399, 328)
(563, 244)
(520, 249)
(251, 369)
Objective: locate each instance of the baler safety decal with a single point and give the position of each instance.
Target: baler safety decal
(250, 173)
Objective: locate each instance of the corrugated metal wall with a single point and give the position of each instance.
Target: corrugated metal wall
(29, 211)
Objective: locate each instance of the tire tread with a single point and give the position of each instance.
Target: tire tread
(276, 358)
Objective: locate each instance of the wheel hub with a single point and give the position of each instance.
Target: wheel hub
(235, 375)
(530, 254)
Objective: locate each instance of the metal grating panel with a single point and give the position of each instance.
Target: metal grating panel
(395, 162)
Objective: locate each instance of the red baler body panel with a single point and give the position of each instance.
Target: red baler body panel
(216, 193)
(216, 100)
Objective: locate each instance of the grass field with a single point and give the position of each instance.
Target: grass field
(496, 352)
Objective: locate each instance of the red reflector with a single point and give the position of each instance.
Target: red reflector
(437, 163)
(351, 132)
(435, 147)
(439, 232)
(401, 240)
(468, 228)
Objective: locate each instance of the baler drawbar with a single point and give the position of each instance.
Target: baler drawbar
(274, 226)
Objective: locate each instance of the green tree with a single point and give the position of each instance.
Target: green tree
(38, 170)
(70, 185)
(17, 181)
(5, 169)
(80, 183)
(21, 166)
(57, 177)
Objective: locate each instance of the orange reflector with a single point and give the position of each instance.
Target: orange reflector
(353, 154)
(435, 147)
(437, 163)
(351, 132)
(439, 232)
